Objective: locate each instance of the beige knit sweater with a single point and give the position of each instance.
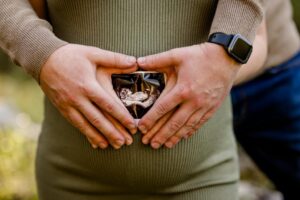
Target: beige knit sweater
(283, 37)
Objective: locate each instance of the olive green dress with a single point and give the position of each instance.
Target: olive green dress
(202, 167)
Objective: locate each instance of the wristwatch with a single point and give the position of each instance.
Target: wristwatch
(238, 47)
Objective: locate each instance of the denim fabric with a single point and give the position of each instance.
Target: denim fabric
(267, 124)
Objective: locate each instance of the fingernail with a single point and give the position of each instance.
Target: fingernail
(116, 147)
(132, 126)
(128, 141)
(119, 142)
(142, 60)
(155, 145)
(131, 60)
(169, 145)
(102, 145)
(143, 129)
(133, 131)
(145, 140)
(94, 146)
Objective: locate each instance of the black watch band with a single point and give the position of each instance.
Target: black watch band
(236, 46)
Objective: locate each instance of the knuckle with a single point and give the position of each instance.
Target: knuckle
(207, 116)
(191, 124)
(116, 59)
(70, 116)
(108, 106)
(96, 122)
(125, 121)
(73, 100)
(183, 92)
(176, 138)
(86, 89)
(173, 54)
(199, 102)
(192, 133)
(161, 109)
(110, 135)
(203, 120)
(161, 138)
(174, 125)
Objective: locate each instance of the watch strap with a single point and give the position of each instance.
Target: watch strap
(221, 38)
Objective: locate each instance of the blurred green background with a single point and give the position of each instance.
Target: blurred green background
(21, 112)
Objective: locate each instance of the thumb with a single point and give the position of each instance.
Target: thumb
(158, 61)
(106, 58)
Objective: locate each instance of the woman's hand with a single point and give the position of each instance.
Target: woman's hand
(204, 76)
(69, 79)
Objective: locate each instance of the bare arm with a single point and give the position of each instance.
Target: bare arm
(257, 59)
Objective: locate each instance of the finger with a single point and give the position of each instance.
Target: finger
(92, 144)
(111, 59)
(208, 115)
(173, 125)
(171, 80)
(148, 136)
(105, 81)
(78, 121)
(190, 126)
(110, 105)
(122, 70)
(170, 84)
(120, 128)
(162, 106)
(160, 61)
(100, 122)
(202, 121)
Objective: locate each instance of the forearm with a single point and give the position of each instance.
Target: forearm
(257, 60)
(27, 39)
(238, 16)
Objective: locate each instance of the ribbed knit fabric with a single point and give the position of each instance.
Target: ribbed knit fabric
(202, 167)
(236, 16)
(68, 168)
(29, 40)
(283, 37)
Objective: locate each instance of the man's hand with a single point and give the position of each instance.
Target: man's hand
(204, 76)
(69, 80)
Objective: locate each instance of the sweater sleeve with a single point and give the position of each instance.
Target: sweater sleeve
(27, 39)
(238, 16)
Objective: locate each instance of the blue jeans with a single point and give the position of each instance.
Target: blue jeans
(267, 124)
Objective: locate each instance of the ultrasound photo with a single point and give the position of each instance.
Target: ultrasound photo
(138, 91)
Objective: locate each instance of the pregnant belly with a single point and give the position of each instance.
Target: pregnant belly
(65, 153)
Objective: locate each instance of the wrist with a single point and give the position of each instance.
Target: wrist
(215, 51)
(236, 46)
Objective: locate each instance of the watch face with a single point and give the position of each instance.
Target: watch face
(240, 49)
